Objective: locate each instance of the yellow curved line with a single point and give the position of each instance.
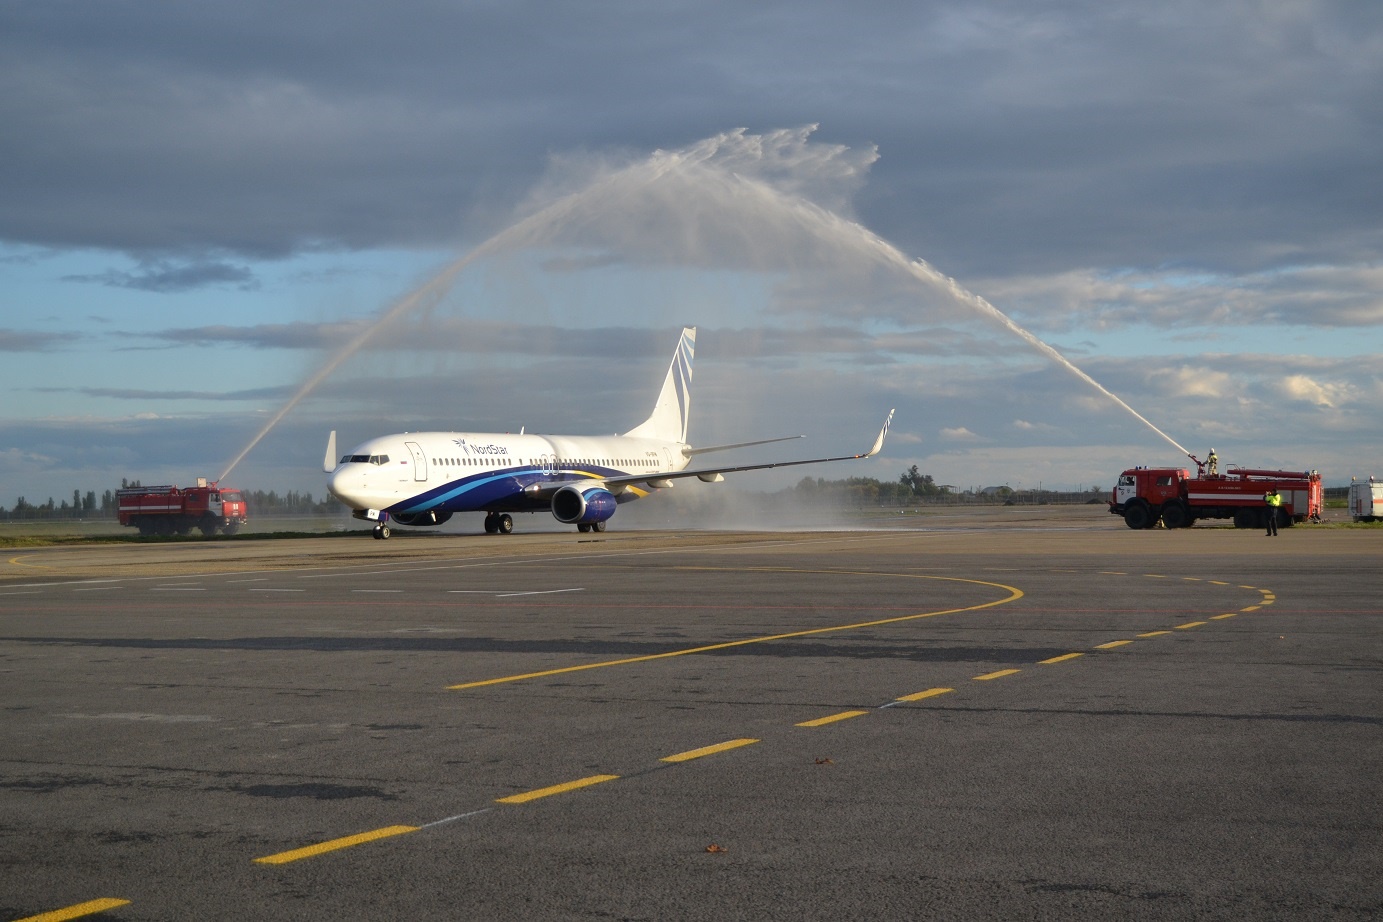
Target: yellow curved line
(36, 566)
(1014, 595)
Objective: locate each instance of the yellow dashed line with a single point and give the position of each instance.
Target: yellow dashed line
(76, 912)
(1154, 633)
(1188, 625)
(1059, 659)
(996, 675)
(323, 847)
(1154, 576)
(929, 693)
(1222, 617)
(1112, 644)
(1218, 582)
(1251, 608)
(707, 750)
(822, 721)
(526, 796)
(1192, 579)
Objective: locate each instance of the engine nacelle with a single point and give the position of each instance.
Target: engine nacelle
(420, 518)
(575, 505)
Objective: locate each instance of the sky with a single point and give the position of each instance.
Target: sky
(511, 209)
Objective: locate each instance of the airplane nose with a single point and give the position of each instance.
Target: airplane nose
(343, 484)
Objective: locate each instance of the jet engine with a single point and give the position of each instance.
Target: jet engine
(420, 518)
(576, 505)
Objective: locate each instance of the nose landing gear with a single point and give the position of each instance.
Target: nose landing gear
(381, 532)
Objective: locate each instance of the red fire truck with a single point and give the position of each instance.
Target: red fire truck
(169, 510)
(1146, 495)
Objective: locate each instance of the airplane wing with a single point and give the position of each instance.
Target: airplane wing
(708, 474)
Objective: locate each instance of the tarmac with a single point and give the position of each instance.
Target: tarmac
(1012, 713)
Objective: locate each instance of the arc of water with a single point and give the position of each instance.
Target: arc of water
(643, 174)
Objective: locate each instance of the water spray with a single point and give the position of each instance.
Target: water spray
(720, 164)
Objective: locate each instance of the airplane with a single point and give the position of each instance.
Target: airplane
(423, 478)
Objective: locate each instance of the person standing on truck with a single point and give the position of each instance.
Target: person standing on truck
(1213, 463)
(1273, 502)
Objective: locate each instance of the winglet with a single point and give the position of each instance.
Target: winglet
(879, 442)
(329, 459)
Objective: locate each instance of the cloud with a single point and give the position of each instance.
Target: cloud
(959, 434)
(34, 340)
(1303, 388)
(166, 276)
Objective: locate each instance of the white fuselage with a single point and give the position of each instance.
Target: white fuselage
(421, 472)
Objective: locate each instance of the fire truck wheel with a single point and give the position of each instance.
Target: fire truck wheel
(1174, 515)
(231, 528)
(1138, 515)
(208, 529)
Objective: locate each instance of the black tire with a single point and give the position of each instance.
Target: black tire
(506, 524)
(491, 523)
(231, 528)
(374, 533)
(583, 527)
(1174, 515)
(597, 526)
(384, 532)
(208, 529)
(1137, 515)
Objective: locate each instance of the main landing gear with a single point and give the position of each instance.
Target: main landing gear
(498, 523)
(591, 526)
(381, 532)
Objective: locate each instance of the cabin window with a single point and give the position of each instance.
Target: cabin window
(1165, 481)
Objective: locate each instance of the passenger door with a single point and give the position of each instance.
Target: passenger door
(419, 460)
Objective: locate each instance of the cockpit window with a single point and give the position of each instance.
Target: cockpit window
(1126, 480)
(231, 496)
(364, 459)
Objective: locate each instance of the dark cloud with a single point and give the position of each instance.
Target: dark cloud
(166, 276)
(125, 393)
(1013, 137)
(34, 340)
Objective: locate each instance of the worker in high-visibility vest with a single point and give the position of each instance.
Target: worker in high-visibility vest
(1213, 463)
(1273, 502)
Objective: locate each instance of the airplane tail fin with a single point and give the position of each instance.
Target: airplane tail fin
(672, 411)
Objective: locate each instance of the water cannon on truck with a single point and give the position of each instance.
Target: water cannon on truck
(1146, 495)
(169, 510)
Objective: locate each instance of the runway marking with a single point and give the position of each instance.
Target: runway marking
(996, 675)
(1188, 625)
(1155, 576)
(177, 589)
(1113, 573)
(1251, 608)
(1111, 645)
(556, 789)
(1248, 587)
(16, 561)
(257, 579)
(830, 719)
(1059, 659)
(77, 911)
(368, 590)
(256, 589)
(1229, 614)
(24, 592)
(459, 816)
(505, 595)
(1192, 579)
(1015, 594)
(929, 693)
(322, 848)
(707, 750)
(1218, 582)
(1154, 633)
(97, 588)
